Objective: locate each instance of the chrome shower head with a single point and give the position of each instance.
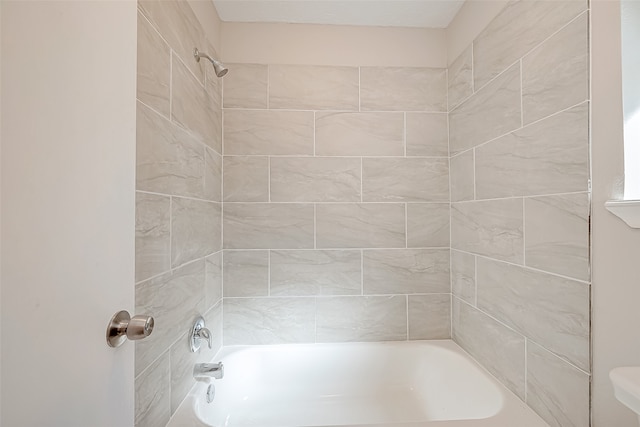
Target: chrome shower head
(218, 66)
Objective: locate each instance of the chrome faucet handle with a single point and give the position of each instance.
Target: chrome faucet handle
(206, 334)
(198, 333)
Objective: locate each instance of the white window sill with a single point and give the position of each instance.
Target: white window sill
(626, 210)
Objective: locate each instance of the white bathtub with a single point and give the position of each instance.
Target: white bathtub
(419, 383)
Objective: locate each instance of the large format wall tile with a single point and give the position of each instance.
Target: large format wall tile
(463, 276)
(153, 394)
(246, 179)
(179, 26)
(174, 299)
(427, 134)
(429, 317)
(154, 72)
(153, 219)
(246, 86)
(191, 106)
(268, 132)
(316, 179)
(212, 175)
(359, 134)
(549, 309)
(403, 89)
(547, 157)
(313, 87)
(369, 318)
(461, 77)
(520, 27)
(213, 278)
(428, 225)
(499, 349)
(360, 225)
(268, 226)
(168, 159)
(268, 320)
(405, 180)
(492, 111)
(246, 273)
(557, 234)
(492, 228)
(195, 229)
(303, 273)
(555, 75)
(406, 271)
(557, 391)
(463, 176)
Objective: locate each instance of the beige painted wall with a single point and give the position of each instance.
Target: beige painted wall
(207, 15)
(616, 277)
(303, 44)
(472, 18)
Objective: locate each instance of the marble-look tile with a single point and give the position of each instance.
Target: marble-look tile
(174, 299)
(547, 157)
(246, 273)
(213, 90)
(403, 89)
(245, 86)
(360, 225)
(304, 273)
(430, 317)
(213, 87)
(315, 179)
(461, 78)
(499, 349)
(252, 321)
(492, 228)
(268, 226)
(406, 271)
(557, 391)
(268, 132)
(180, 27)
(463, 276)
(168, 159)
(427, 134)
(153, 219)
(306, 87)
(549, 309)
(428, 225)
(153, 394)
(555, 75)
(463, 176)
(191, 106)
(154, 67)
(359, 134)
(368, 318)
(556, 234)
(492, 111)
(520, 27)
(213, 320)
(246, 179)
(213, 278)
(405, 180)
(212, 175)
(195, 229)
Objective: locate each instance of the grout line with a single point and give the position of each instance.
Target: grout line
(407, 311)
(315, 226)
(263, 297)
(533, 196)
(359, 90)
(349, 249)
(475, 184)
(269, 178)
(314, 134)
(475, 280)
(310, 156)
(521, 97)
(334, 111)
(526, 267)
(269, 272)
(170, 233)
(170, 84)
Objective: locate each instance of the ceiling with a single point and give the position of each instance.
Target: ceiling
(386, 13)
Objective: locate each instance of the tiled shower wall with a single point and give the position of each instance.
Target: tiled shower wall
(519, 141)
(336, 204)
(178, 204)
